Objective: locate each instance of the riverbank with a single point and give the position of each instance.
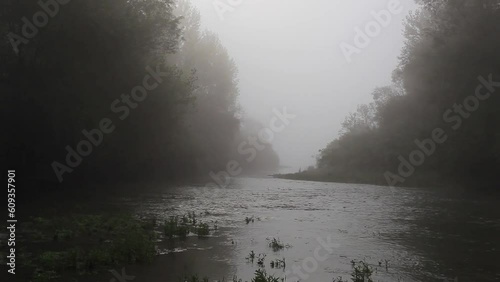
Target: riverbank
(423, 180)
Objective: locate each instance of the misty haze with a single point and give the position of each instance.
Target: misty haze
(250, 140)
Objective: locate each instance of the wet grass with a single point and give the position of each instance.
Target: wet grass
(249, 219)
(261, 260)
(276, 245)
(203, 230)
(278, 263)
(175, 228)
(362, 271)
(262, 276)
(259, 276)
(180, 227)
(251, 257)
(86, 244)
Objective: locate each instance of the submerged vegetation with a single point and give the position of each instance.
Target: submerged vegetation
(84, 244)
(180, 227)
(249, 219)
(361, 272)
(276, 245)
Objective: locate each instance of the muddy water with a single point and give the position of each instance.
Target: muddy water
(406, 234)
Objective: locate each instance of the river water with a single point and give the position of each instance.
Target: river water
(405, 234)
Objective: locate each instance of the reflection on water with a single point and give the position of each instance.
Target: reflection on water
(421, 234)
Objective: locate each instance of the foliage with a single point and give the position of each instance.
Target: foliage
(94, 53)
(262, 276)
(202, 230)
(276, 245)
(448, 46)
(249, 219)
(97, 242)
(362, 272)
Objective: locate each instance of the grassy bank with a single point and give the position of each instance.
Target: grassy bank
(69, 246)
(419, 180)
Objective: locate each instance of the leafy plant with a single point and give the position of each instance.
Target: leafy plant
(251, 257)
(362, 272)
(278, 263)
(276, 245)
(203, 230)
(261, 259)
(262, 276)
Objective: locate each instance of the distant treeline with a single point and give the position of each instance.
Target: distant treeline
(438, 124)
(116, 90)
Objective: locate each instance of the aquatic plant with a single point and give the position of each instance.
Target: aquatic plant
(203, 230)
(45, 276)
(261, 259)
(262, 276)
(193, 278)
(192, 217)
(251, 257)
(278, 263)
(235, 279)
(170, 226)
(99, 242)
(362, 272)
(185, 219)
(174, 228)
(276, 245)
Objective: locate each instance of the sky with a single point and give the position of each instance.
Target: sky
(289, 54)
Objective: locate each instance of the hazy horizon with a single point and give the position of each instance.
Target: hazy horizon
(277, 68)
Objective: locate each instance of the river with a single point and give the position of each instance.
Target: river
(405, 234)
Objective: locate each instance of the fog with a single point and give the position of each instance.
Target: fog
(278, 140)
(288, 55)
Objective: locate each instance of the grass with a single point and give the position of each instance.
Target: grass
(249, 219)
(262, 276)
(259, 276)
(261, 259)
(174, 228)
(251, 257)
(276, 245)
(85, 244)
(180, 227)
(203, 230)
(278, 263)
(362, 272)
(193, 278)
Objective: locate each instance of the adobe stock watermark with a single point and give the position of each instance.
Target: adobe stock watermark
(122, 107)
(120, 277)
(223, 6)
(453, 116)
(254, 144)
(363, 36)
(40, 19)
(300, 272)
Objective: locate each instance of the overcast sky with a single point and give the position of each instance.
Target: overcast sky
(288, 54)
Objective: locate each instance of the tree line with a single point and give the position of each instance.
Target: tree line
(437, 124)
(116, 91)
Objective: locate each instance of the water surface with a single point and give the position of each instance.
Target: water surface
(422, 234)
